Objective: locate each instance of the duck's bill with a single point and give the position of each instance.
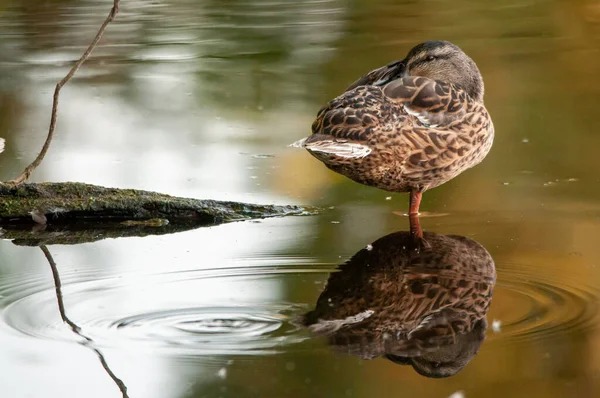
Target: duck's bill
(390, 72)
(381, 76)
(400, 360)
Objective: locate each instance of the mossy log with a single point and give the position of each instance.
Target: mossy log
(70, 202)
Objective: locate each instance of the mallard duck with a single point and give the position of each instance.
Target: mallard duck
(408, 126)
(424, 307)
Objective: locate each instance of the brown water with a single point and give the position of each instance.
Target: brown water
(200, 99)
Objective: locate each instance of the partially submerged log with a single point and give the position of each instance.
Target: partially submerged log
(69, 213)
(71, 202)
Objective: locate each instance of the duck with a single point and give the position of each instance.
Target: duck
(408, 126)
(425, 307)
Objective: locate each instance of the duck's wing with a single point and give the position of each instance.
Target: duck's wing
(381, 76)
(448, 124)
(426, 122)
(349, 125)
(433, 102)
(1, 145)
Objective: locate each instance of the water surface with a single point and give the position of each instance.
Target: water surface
(200, 99)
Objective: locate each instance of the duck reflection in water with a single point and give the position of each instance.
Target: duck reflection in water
(415, 299)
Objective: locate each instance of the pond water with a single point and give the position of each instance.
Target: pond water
(201, 99)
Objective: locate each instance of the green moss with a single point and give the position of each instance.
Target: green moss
(72, 201)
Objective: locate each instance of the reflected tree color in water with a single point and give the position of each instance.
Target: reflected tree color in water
(200, 99)
(423, 305)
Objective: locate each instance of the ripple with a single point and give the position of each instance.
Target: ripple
(543, 302)
(238, 310)
(203, 312)
(221, 328)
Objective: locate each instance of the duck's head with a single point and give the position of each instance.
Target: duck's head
(442, 60)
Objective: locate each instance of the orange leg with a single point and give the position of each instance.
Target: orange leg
(415, 201)
(415, 227)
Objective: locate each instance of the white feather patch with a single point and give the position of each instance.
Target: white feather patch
(325, 327)
(422, 116)
(299, 143)
(1, 144)
(351, 150)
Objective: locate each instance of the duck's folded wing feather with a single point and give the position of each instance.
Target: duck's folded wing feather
(348, 123)
(1, 145)
(433, 148)
(433, 102)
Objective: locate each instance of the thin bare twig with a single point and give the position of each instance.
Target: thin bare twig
(87, 342)
(29, 169)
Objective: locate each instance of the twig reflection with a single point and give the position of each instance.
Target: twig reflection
(87, 342)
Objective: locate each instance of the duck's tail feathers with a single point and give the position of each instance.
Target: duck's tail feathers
(332, 146)
(1, 144)
(347, 149)
(299, 143)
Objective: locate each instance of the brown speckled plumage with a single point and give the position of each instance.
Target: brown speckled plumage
(409, 126)
(419, 304)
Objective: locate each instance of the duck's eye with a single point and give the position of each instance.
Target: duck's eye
(430, 58)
